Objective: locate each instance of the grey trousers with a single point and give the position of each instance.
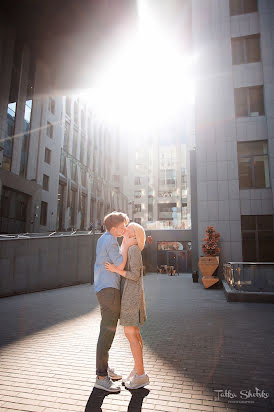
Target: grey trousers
(110, 303)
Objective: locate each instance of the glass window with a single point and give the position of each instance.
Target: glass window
(137, 208)
(250, 6)
(235, 7)
(241, 103)
(249, 247)
(252, 46)
(60, 204)
(83, 208)
(167, 177)
(246, 49)
(83, 177)
(256, 100)
(44, 213)
(83, 120)
(245, 173)
(74, 142)
(66, 135)
(49, 130)
(5, 202)
(21, 206)
(250, 148)
(51, 105)
(257, 238)
(116, 181)
(253, 165)
(242, 6)
(137, 180)
(237, 51)
(8, 142)
(45, 182)
(165, 211)
(248, 222)
(82, 148)
(265, 222)
(184, 210)
(266, 246)
(73, 170)
(68, 106)
(73, 194)
(26, 138)
(47, 158)
(63, 164)
(249, 101)
(76, 112)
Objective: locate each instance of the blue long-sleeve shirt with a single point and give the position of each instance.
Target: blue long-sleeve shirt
(107, 250)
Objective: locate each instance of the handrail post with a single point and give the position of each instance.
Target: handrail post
(239, 276)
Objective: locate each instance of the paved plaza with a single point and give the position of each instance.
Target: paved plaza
(196, 345)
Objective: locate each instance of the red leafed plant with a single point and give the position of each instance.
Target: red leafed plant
(149, 240)
(210, 247)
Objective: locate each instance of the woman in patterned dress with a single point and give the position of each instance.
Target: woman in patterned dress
(133, 307)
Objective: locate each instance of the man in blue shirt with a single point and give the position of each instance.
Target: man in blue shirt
(107, 288)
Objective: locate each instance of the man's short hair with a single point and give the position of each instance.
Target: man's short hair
(114, 219)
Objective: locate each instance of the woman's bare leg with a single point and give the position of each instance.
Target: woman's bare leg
(133, 335)
(140, 338)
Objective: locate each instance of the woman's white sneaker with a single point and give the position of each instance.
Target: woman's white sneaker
(132, 373)
(137, 382)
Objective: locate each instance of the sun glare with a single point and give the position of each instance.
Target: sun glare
(146, 83)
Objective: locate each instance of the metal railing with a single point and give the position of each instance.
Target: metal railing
(250, 276)
(47, 234)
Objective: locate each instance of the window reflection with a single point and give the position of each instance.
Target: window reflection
(253, 165)
(26, 138)
(8, 143)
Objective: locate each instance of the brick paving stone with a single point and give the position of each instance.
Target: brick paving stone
(18, 406)
(195, 342)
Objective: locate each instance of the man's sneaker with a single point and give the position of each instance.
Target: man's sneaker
(137, 382)
(107, 384)
(132, 373)
(113, 375)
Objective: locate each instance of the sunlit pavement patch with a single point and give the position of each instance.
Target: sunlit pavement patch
(195, 344)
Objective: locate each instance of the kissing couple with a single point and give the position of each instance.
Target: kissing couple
(118, 282)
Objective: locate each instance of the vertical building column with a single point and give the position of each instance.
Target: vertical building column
(20, 111)
(179, 162)
(155, 169)
(6, 60)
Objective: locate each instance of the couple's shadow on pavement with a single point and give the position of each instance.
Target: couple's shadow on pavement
(97, 397)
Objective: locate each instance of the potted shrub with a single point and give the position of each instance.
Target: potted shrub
(209, 263)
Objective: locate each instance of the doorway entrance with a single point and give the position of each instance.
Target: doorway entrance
(177, 254)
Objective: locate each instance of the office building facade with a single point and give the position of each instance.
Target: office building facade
(59, 165)
(158, 183)
(234, 121)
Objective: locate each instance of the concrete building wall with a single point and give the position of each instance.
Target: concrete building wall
(35, 264)
(220, 201)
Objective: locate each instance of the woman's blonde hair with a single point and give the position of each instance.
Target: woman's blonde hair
(140, 234)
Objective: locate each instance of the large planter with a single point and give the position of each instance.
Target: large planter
(207, 266)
